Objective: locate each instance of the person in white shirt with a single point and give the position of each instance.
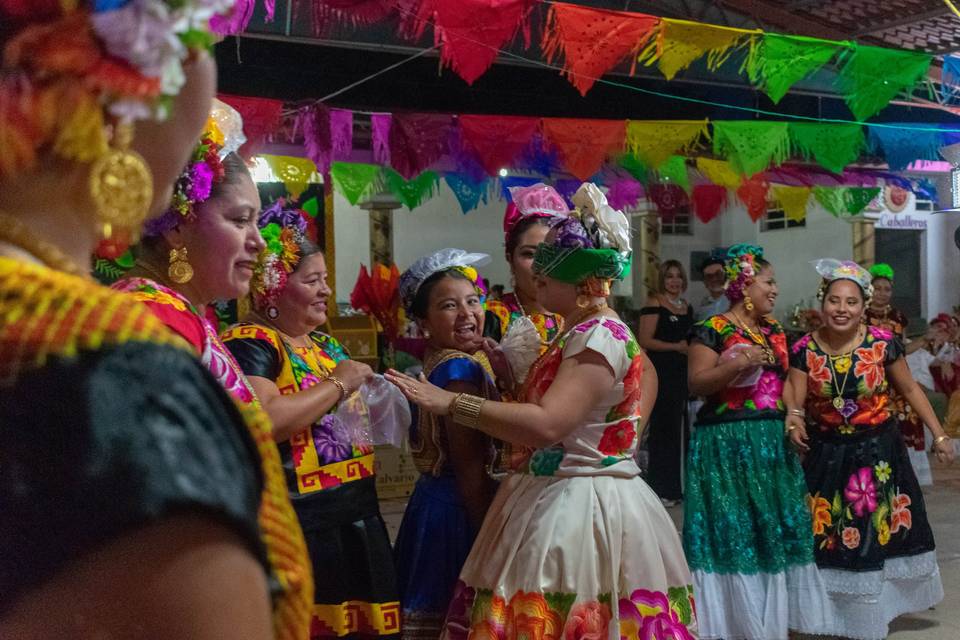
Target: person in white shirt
(715, 302)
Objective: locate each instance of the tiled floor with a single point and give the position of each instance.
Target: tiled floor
(943, 509)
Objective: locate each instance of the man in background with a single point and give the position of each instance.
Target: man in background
(715, 302)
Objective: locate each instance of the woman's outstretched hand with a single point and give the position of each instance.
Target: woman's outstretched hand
(428, 397)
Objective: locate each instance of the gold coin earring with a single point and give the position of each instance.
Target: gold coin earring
(747, 303)
(179, 270)
(121, 185)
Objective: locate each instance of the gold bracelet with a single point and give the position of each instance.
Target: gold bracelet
(800, 413)
(466, 410)
(942, 438)
(340, 385)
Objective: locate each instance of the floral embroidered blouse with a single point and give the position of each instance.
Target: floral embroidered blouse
(508, 309)
(322, 455)
(858, 379)
(175, 311)
(763, 399)
(606, 442)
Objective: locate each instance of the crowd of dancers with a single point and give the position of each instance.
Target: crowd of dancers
(161, 478)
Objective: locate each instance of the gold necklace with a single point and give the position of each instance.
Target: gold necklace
(758, 338)
(554, 345)
(16, 233)
(839, 387)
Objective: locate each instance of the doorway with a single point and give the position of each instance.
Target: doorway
(901, 250)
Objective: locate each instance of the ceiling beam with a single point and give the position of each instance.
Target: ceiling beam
(903, 21)
(770, 13)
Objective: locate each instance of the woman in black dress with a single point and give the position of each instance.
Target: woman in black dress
(665, 322)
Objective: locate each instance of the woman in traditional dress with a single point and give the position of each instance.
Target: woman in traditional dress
(746, 527)
(882, 314)
(204, 247)
(129, 480)
(442, 292)
(665, 322)
(874, 545)
(209, 241)
(575, 544)
(300, 376)
(525, 225)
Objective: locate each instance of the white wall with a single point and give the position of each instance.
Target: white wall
(436, 224)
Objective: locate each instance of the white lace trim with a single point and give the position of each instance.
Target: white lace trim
(871, 583)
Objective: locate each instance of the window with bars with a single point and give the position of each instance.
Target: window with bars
(680, 225)
(776, 220)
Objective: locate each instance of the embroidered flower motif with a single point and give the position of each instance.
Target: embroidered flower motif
(632, 383)
(767, 392)
(617, 439)
(883, 533)
(851, 537)
(617, 330)
(842, 364)
(545, 462)
(458, 614)
(529, 617)
(870, 364)
(882, 471)
(331, 439)
(586, 326)
(587, 621)
(849, 408)
(820, 513)
(901, 517)
(817, 367)
(846, 429)
(149, 294)
(861, 492)
(647, 615)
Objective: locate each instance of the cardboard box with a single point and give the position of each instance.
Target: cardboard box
(358, 334)
(396, 473)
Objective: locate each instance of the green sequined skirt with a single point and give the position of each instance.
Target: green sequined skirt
(745, 507)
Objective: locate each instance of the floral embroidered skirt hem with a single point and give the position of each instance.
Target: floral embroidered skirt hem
(572, 557)
(747, 533)
(874, 545)
(432, 545)
(355, 593)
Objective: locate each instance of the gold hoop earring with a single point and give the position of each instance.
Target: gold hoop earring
(747, 303)
(179, 270)
(583, 301)
(121, 185)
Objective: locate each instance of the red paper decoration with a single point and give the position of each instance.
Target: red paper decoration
(708, 201)
(497, 140)
(669, 199)
(753, 193)
(417, 140)
(473, 31)
(593, 41)
(261, 119)
(584, 144)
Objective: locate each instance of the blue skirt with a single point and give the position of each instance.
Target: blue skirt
(433, 543)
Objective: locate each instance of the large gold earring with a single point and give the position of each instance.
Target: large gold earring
(747, 303)
(121, 185)
(179, 270)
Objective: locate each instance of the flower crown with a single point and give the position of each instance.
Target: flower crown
(283, 231)
(446, 259)
(70, 69)
(741, 269)
(831, 270)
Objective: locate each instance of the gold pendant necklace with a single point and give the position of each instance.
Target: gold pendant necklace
(846, 360)
(758, 338)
